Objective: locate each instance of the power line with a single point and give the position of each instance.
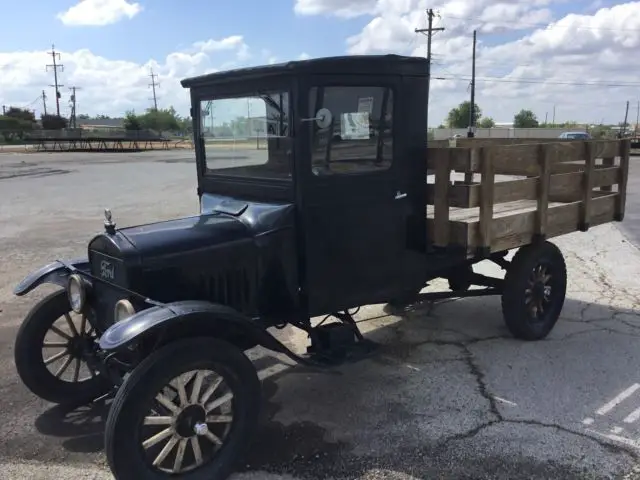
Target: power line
(55, 67)
(430, 32)
(44, 102)
(72, 118)
(153, 85)
(547, 25)
(535, 81)
(472, 119)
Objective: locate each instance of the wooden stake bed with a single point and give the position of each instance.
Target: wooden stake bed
(524, 192)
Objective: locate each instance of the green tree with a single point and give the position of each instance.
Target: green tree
(459, 116)
(132, 121)
(160, 120)
(525, 119)
(53, 122)
(21, 114)
(486, 122)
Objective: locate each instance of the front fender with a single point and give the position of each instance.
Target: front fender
(55, 272)
(200, 315)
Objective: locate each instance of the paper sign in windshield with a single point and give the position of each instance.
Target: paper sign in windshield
(355, 126)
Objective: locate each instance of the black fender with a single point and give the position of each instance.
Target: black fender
(55, 272)
(190, 317)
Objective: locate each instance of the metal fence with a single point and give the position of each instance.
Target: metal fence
(498, 132)
(81, 134)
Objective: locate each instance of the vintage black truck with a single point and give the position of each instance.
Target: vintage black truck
(335, 200)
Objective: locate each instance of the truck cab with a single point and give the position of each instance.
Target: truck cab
(335, 150)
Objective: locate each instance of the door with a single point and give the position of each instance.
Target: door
(361, 208)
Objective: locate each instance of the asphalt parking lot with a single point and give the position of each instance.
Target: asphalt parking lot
(449, 394)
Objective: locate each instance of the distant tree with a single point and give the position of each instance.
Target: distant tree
(459, 116)
(21, 113)
(53, 122)
(132, 121)
(601, 131)
(160, 120)
(102, 117)
(83, 116)
(525, 119)
(12, 128)
(486, 122)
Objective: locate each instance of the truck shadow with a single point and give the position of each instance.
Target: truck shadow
(304, 411)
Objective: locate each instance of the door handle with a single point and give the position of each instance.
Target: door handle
(400, 195)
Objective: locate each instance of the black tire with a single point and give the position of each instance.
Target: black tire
(518, 316)
(123, 444)
(30, 362)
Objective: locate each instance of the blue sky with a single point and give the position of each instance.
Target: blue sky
(164, 27)
(524, 63)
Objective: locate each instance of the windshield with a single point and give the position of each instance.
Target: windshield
(247, 136)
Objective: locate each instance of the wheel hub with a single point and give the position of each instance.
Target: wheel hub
(79, 346)
(191, 421)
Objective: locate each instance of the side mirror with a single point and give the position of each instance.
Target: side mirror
(323, 118)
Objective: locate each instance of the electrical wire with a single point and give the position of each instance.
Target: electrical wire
(536, 81)
(552, 24)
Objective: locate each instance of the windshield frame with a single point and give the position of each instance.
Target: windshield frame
(254, 188)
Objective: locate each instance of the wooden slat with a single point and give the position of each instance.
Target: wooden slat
(517, 230)
(544, 187)
(625, 152)
(459, 159)
(487, 183)
(587, 188)
(458, 195)
(563, 187)
(441, 203)
(607, 162)
(521, 159)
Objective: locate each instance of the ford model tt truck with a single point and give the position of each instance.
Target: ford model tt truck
(336, 201)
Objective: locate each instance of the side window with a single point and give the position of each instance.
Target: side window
(357, 136)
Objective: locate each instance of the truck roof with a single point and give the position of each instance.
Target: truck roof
(341, 65)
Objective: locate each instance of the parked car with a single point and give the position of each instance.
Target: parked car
(575, 136)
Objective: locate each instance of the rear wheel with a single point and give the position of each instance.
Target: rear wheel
(51, 348)
(534, 291)
(189, 409)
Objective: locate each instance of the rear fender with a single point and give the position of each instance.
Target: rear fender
(187, 318)
(56, 273)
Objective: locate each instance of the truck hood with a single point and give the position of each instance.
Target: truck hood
(190, 234)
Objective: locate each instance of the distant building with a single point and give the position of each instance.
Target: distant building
(101, 124)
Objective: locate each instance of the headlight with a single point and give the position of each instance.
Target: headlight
(77, 292)
(123, 310)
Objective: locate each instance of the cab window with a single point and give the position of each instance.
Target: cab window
(355, 135)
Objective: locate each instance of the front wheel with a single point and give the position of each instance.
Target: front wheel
(189, 409)
(534, 291)
(50, 353)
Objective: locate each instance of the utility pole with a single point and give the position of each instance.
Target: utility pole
(55, 67)
(546, 115)
(554, 116)
(4, 109)
(153, 85)
(635, 130)
(72, 118)
(472, 117)
(429, 31)
(44, 102)
(626, 116)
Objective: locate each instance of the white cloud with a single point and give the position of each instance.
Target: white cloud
(110, 86)
(521, 45)
(98, 13)
(340, 8)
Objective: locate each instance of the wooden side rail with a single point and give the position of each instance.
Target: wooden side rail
(494, 214)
